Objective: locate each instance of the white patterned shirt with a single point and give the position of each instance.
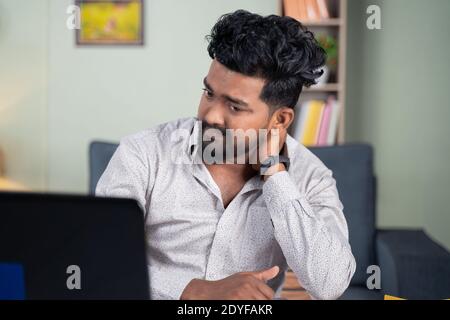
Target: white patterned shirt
(294, 219)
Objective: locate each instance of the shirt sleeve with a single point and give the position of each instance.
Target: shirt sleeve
(312, 233)
(127, 174)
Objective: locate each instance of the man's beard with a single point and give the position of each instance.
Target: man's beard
(222, 145)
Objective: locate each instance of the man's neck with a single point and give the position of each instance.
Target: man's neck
(242, 171)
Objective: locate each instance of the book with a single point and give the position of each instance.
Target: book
(322, 140)
(312, 123)
(306, 10)
(302, 10)
(301, 121)
(290, 8)
(323, 9)
(312, 10)
(334, 120)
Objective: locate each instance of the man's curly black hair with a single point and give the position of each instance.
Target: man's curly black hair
(278, 49)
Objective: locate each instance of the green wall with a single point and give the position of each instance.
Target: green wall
(398, 100)
(23, 90)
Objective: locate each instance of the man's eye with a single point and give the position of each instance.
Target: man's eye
(234, 108)
(208, 93)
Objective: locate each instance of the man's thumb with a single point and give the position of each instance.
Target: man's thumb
(267, 274)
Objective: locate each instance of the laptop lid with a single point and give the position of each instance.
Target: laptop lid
(55, 246)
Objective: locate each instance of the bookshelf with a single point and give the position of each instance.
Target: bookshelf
(336, 26)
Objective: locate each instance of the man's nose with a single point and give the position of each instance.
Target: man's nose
(214, 116)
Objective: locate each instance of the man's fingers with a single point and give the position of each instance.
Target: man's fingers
(265, 275)
(258, 281)
(266, 290)
(270, 273)
(261, 291)
(259, 295)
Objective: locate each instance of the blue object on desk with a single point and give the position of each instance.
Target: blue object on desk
(12, 281)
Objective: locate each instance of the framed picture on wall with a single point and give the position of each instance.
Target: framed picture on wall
(110, 22)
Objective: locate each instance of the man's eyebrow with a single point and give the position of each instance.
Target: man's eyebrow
(206, 84)
(227, 97)
(236, 101)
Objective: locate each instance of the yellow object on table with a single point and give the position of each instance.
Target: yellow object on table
(8, 185)
(389, 297)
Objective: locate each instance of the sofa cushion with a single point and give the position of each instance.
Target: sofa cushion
(352, 168)
(100, 153)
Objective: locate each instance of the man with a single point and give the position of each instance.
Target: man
(229, 230)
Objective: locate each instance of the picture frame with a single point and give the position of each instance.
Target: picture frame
(110, 22)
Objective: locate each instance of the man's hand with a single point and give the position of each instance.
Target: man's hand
(275, 141)
(239, 286)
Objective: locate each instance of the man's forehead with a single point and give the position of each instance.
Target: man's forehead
(220, 78)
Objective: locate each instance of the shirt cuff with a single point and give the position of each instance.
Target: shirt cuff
(280, 188)
(279, 191)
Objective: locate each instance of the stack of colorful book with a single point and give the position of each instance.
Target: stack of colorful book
(317, 122)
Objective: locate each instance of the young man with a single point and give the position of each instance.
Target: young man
(230, 229)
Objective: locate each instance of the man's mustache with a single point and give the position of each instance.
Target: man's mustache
(206, 126)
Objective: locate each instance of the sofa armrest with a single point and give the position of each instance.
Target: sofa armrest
(412, 265)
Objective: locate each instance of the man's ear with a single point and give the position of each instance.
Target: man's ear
(282, 118)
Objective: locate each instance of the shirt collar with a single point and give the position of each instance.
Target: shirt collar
(194, 142)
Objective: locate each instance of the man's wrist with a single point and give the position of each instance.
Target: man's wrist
(278, 167)
(271, 163)
(194, 290)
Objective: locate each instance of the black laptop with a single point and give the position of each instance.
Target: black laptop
(55, 246)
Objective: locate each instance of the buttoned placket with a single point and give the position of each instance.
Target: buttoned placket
(216, 258)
